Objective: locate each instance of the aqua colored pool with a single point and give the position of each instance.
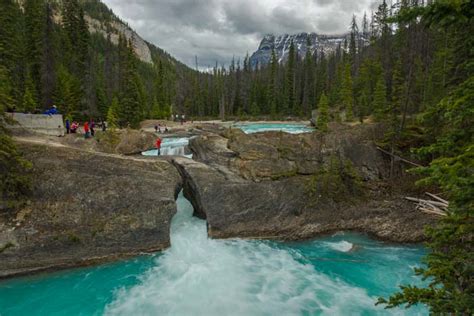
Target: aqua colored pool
(292, 128)
(338, 275)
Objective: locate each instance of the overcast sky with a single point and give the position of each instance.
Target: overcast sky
(219, 29)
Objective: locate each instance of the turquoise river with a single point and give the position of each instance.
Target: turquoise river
(338, 275)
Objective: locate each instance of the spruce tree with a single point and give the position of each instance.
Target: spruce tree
(15, 182)
(347, 94)
(449, 150)
(323, 113)
(353, 44)
(131, 98)
(35, 22)
(379, 105)
(156, 111)
(290, 80)
(29, 103)
(308, 84)
(7, 102)
(67, 95)
(11, 49)
(321, 76)
(272, 87)
(48, 59)
(112, 114)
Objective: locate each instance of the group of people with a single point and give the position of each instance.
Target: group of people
(88, 127)
(161, 129)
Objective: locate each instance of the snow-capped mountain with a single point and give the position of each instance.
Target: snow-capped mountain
(281, 45)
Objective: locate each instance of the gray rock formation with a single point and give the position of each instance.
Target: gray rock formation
(281, 45)
(278, 185)
(140, 46)
(87, 208)
(124, 142)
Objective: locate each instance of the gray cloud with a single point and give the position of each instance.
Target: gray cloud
(217, 30)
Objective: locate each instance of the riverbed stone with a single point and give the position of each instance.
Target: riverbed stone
(86, 208)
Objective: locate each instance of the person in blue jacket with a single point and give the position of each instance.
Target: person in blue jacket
(52, 111)
(68, 126)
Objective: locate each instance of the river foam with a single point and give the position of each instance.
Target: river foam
(202, 276)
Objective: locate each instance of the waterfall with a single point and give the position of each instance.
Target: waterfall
(171, 147)
(203, 276)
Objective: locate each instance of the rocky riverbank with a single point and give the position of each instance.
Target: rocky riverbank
(91, 205)
(278, 185)
(87, 208)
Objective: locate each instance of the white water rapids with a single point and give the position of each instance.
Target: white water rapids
(202, 276)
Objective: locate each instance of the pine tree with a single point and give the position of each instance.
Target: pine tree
(321, 84)
(323, 113)
(10, 49)
(347, 94)
(272, 87)
(290, 80)
(7, 102)
(450, 152)
(48, 60)
(308, 85)
(76, 48)
(29, 97)
(131, 98)
(15, 182)
(156, 111)
(379, 105)
(68, 92)
(112, 114)
(398, 97)
(254, 109)
(35, 18)
(101, 99)
(353, 45)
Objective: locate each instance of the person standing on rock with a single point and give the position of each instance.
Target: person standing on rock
(86, 130)
(68, 126)
(92, 127)
(158, 146)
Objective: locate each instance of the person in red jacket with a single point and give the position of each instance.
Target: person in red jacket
(86, 130)
(158, 146)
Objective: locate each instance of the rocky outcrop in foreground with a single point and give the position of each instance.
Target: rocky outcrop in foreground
(87, 208)
(278, 185)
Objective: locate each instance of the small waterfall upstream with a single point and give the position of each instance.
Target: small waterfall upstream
(172, 147)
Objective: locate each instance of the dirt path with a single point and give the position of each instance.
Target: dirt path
(51, 143)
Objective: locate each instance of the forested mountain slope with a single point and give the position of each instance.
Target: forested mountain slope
(80, 56)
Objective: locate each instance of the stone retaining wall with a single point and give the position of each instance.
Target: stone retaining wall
(40, 123)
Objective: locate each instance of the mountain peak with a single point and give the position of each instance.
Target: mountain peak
(281, 44)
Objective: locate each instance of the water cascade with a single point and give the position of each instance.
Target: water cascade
(294, 128)
(338, 275)
(171, 147)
